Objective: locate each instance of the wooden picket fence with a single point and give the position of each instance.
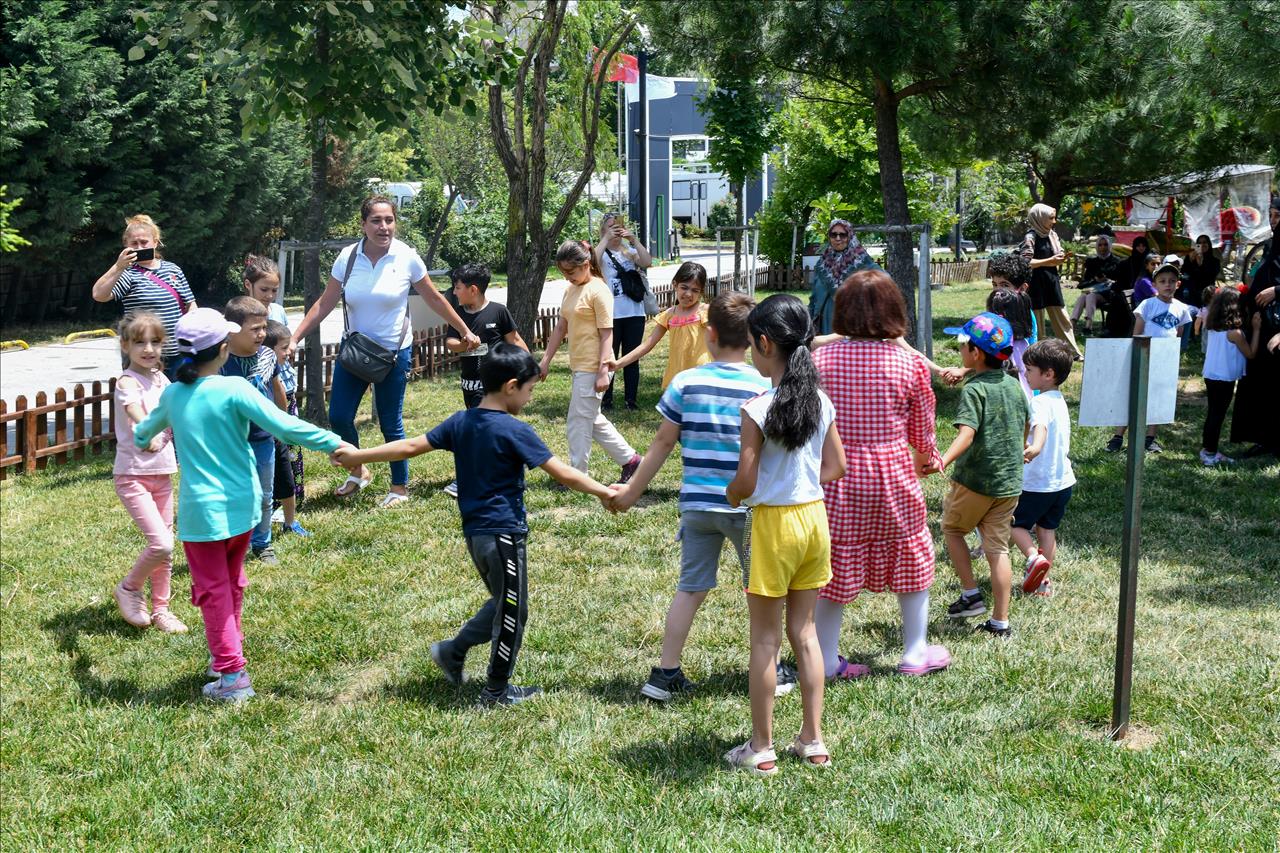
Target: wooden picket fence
(86, 412)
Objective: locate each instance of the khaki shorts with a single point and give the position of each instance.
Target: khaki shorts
(964, 510)
(788, 548)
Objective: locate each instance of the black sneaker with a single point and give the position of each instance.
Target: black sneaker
(966, 606)
(513, 695)
(452, 669)
(1116, 444)
(266, 555)
(1153, 446)
(988, 628)
(786, 680)
(662, 687)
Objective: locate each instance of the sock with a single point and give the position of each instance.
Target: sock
(668, 672)
(999, 623)
(231, 677)
(971, 593)
(915, 624)
(827, 616)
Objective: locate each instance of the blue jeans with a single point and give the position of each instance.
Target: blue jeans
(388, 399)
(264, 459)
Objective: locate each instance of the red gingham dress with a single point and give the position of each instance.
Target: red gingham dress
(879, 530)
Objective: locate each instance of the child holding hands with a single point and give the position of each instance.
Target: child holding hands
(790, 447)
(144, 479)
(991, 431)
(491, 449)
(687, 322)
(219, 499)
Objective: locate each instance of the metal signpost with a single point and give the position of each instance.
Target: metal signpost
(1130, 545)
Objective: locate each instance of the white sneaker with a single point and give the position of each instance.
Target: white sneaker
(277, 517)
(1223, 459)
(452, 490)
(1208, 459)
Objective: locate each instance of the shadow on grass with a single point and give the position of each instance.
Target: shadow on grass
(432, 689)
(625, 689)
(103, 619)
(689, 757)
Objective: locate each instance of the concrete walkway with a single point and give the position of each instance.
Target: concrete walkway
(49, 367)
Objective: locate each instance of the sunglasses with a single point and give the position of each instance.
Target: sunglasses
(842, 235)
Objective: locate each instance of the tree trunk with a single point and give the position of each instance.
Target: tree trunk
(440, 226)
(893, 191)
(312, 288)
(739, 209)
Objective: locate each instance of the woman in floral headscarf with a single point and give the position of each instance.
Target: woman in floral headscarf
(843, 257)
(1044, 255)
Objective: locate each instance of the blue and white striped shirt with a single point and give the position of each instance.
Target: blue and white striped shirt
(706, 402)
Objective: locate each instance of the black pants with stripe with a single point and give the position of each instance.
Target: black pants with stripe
(501, 561)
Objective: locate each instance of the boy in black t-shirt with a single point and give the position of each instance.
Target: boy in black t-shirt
(491, 449)
(490, 321)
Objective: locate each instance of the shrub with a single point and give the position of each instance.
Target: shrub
(723, 214)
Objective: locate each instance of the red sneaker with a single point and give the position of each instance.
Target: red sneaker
(1037, 568)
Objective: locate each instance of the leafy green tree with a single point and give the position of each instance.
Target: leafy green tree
(556, 46)
(738, 117)
(341, 67)
(450, 146)
(10, 239)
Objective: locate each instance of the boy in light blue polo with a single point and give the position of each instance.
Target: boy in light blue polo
(702, 410)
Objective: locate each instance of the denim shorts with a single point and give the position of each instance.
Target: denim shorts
(702, 535)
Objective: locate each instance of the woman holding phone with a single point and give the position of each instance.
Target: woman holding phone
(144, 282)
(617, 252)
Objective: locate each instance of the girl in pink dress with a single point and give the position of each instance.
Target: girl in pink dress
(880, 536)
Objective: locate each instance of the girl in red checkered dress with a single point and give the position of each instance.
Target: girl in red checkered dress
(880, 536)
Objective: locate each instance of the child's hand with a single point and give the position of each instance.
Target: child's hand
(1029, 453)
(602, 380)
(927, 469)
(157, 444)
(608, 501)
(342, 456)
(623, 499)
(1257, 320)
(953, 375)
(610, 364)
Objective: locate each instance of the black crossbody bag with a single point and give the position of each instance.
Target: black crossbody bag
(359, 354)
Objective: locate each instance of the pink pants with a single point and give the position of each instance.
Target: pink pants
(148, 498)
(217, 588)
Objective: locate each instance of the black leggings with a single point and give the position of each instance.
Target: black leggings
(1219, 393)
(628, 333)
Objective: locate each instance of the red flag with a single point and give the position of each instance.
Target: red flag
(623, 68)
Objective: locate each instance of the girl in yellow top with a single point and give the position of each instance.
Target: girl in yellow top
(687, 322)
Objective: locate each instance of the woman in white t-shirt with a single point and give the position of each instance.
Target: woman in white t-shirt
(619, 250)
(377, 295)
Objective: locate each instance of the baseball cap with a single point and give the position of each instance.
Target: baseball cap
(201, 328)
(1172, 259)
(1167, 264)
(989, 332)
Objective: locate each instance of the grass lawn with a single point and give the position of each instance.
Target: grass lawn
(355, 740)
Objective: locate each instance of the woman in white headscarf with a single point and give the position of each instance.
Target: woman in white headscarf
(843, 257)
(1044, 254)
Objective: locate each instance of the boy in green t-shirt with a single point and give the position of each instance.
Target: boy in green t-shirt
(986, 482)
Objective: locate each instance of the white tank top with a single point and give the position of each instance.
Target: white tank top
(1222, 359)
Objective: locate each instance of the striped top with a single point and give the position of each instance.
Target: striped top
(706, 403)
(139, 294)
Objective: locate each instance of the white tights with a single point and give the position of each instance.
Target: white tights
(827, 616)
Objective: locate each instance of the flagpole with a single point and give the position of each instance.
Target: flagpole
(642, 63)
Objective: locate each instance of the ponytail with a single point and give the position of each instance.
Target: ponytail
(188, 369)
(796, 412)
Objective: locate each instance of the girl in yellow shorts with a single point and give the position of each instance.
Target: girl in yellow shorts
(790, 447)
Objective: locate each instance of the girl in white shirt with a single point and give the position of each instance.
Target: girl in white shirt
(790, 447)
(1226, 350)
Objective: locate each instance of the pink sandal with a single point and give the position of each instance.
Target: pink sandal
(848, 671)
(936, 659)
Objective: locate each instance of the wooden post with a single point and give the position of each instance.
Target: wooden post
(1130, 543)
(96, 417)
(4, 439)
(42, 431)
(60, 424)
(77, 420)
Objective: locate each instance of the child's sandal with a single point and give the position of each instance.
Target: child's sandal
(810, 751)
(745, 758)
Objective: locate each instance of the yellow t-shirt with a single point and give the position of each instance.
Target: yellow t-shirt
(686, 341)
(588, 309)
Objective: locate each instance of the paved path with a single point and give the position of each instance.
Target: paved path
(47, 368)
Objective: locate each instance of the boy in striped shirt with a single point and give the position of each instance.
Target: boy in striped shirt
(702, 410)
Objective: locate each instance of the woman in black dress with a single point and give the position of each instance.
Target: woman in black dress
(1256, 417)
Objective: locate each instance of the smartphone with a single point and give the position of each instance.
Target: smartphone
(145, 254)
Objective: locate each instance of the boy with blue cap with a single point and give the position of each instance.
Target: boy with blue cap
(991, 432)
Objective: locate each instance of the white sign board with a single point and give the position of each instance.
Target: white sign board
(1104, 397)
